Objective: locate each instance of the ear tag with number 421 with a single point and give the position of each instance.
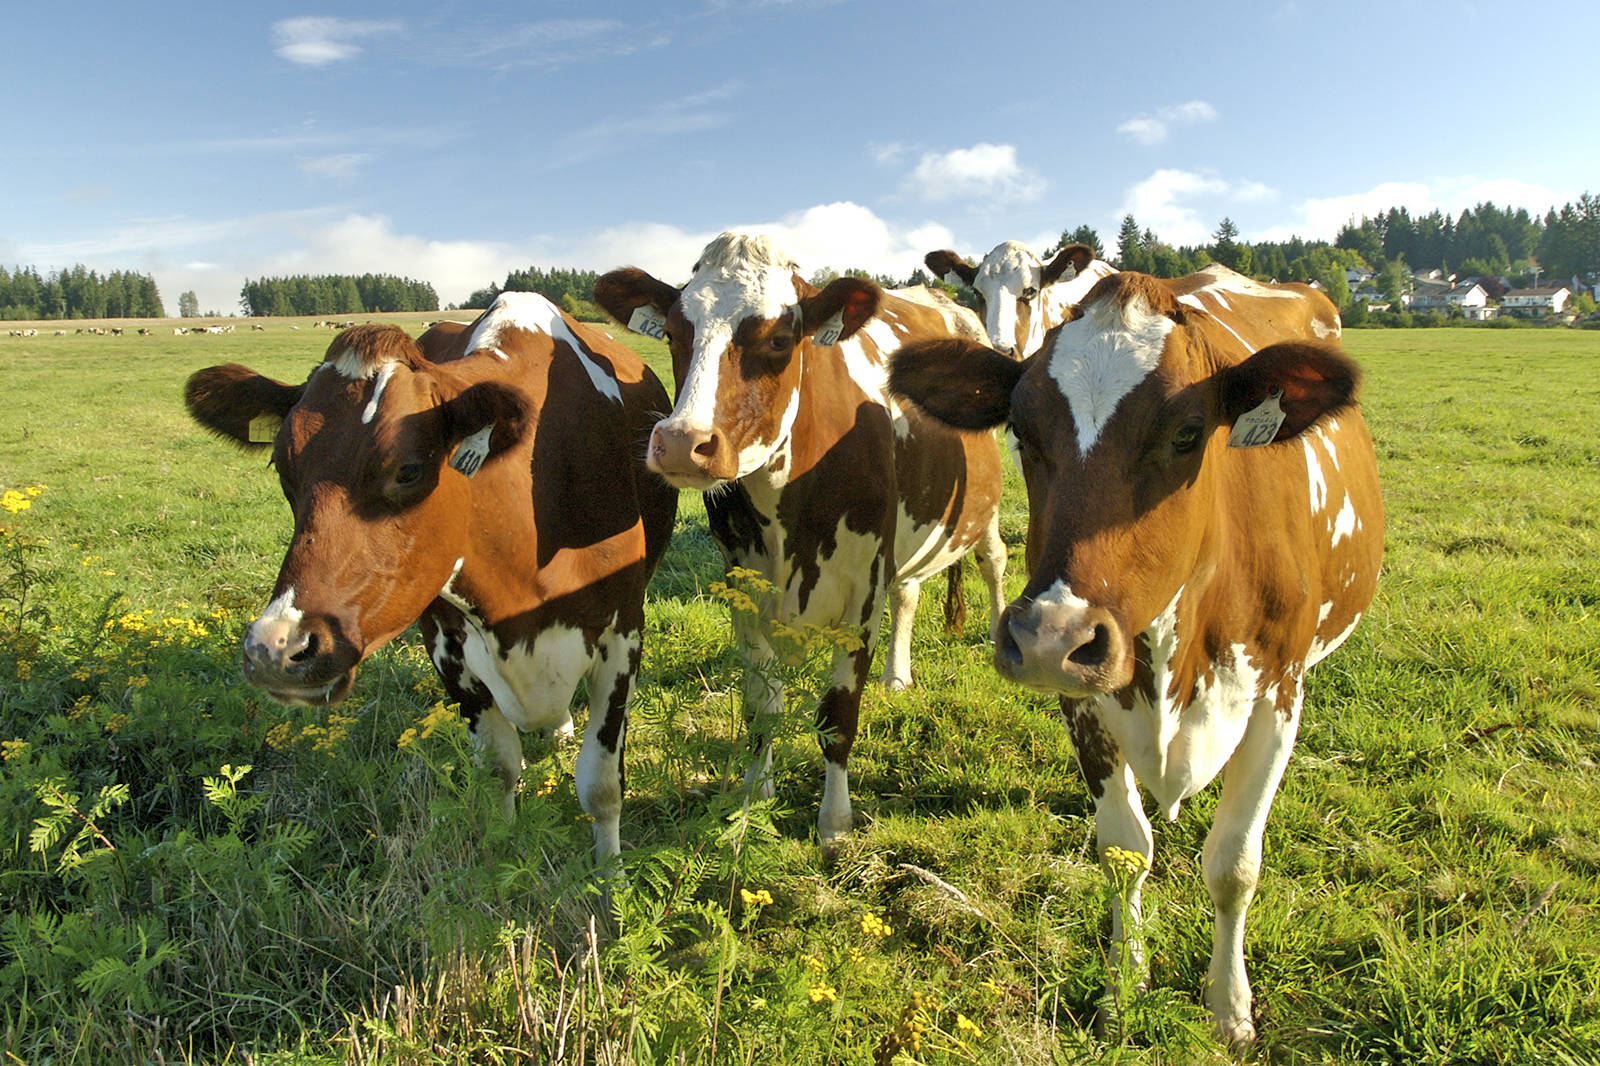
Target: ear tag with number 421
(472, 451)
(264, 429)
(1258, 426)
(649, 321)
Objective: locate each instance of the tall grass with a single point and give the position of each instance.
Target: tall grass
(193, 873)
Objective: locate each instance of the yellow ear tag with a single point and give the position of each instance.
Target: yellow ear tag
(264, 428)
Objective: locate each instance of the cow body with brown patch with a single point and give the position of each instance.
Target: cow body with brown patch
(486, 480)
(813, 476)
(1179, 587)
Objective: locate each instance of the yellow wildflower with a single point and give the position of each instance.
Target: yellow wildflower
(24, 670)
(759, 898)
(857, 956)
(824, 994)
(116, 723)
(872, 925)
(1128, 864)
(812, 963)
(10, 749)
(408, 738)
(280, 736)
(965, 1024)
(14, 501)
(547, 786)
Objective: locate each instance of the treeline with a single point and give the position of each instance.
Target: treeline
(77, 293)
(335, 294)
(570, 290)
(1485, 240)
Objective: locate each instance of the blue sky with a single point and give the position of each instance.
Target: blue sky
(452, 142)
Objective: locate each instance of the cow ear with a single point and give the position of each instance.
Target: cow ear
(943, 263)
(636, 299)
(1303, 379)
(482, 422)
(1076, 256)
(234, 401)
(851, 300)
(962, 384)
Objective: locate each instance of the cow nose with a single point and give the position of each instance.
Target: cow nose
(1076, 649)
(275, 642)
(688, 451)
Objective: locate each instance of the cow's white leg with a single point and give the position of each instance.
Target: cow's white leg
(599, 773)
(838, 713)
(903, 597)
(1233, 859)
(498, 739)
(763, 702)
(992, 565)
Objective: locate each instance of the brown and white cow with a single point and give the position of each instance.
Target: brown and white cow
(813, 476)
(1020, 298)
(1204, 525)
(487, 480)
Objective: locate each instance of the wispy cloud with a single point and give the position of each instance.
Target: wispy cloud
(316, 40)
(618, 133)
(1320, 218)
(1170, 203)
(549, 43)
(1153, 129)
(341, 167)
(987, 171)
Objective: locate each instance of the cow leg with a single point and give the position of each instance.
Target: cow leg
(762, 701)
(498, 739)
(1120, 823)
(838, 713)
(903, 597)
(992, 565)
(599, 774)
(1233, 859)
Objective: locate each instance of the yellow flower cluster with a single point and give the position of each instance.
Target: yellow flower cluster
(967, 1025)
(547, 786)
(17, 501)
(872, 925)
(1124, 863)
(439, 714)
(322, 738)
(759, 898)
(10, 749)
(908, 1028)
(824, 994)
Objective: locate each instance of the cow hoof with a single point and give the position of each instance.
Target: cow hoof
(896, 684)
(1238, 1034)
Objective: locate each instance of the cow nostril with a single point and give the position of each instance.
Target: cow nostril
(1092, 653)
(706, 448)
(308, 651)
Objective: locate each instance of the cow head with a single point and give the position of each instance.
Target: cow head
(738, 332)
(1120, 424)
(1010, 285)
(362, 449)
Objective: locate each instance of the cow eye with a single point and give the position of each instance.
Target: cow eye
(1187, 439)
(1028, 294)
(779, 344)
(408, 475)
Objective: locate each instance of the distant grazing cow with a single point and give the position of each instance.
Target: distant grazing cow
(1204, 525)
(488, 479)
(814, 477)
(1022, 299)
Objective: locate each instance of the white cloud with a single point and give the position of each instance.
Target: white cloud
(624, 133)
(1153, 129)
(1184, 207)
(316, 41)
(342, 167)
(984, 171)
(1320, 218)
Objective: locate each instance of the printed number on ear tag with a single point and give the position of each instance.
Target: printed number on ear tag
(472, 451)
(828, 333)
(264, 429)
(649, 321)
(1258, 426)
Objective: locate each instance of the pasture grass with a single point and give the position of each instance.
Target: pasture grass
(196, 874)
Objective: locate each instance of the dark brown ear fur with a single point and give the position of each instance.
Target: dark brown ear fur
(476, 406)
(946, 262)
(1315, 380)
(962, 384)
(225, 399)
(1076, 256)
(855, 299)
(623, 291)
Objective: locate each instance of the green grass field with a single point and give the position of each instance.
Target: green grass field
(191, 873)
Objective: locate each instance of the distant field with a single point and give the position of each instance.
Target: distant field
(1432, 882)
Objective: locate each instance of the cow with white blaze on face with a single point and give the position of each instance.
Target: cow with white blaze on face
(1204, 525)
(1020, 298)
(487, 480)
(814, 477)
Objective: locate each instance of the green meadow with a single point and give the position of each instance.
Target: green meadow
(190, 872)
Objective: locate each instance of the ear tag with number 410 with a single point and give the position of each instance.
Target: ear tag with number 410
(472, 451)
(828, 333)
(649, 321)
(1258, 426)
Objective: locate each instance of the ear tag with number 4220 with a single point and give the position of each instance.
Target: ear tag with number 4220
(264, 429)
(1258, 426)
(472, 451)
(649, 321)
(828, 333)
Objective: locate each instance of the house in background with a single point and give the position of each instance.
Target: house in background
(1467, 298)
(1536, 302)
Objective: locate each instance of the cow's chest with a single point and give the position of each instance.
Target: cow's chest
(1179, 725)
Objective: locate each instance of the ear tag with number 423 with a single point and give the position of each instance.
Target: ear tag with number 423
(264, 429)
(1258, 426)
(472, 451)
(828, 333)
(649, 321)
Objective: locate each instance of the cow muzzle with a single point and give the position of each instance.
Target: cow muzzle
(298, 660)
(1072, 649)
(690, 456)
